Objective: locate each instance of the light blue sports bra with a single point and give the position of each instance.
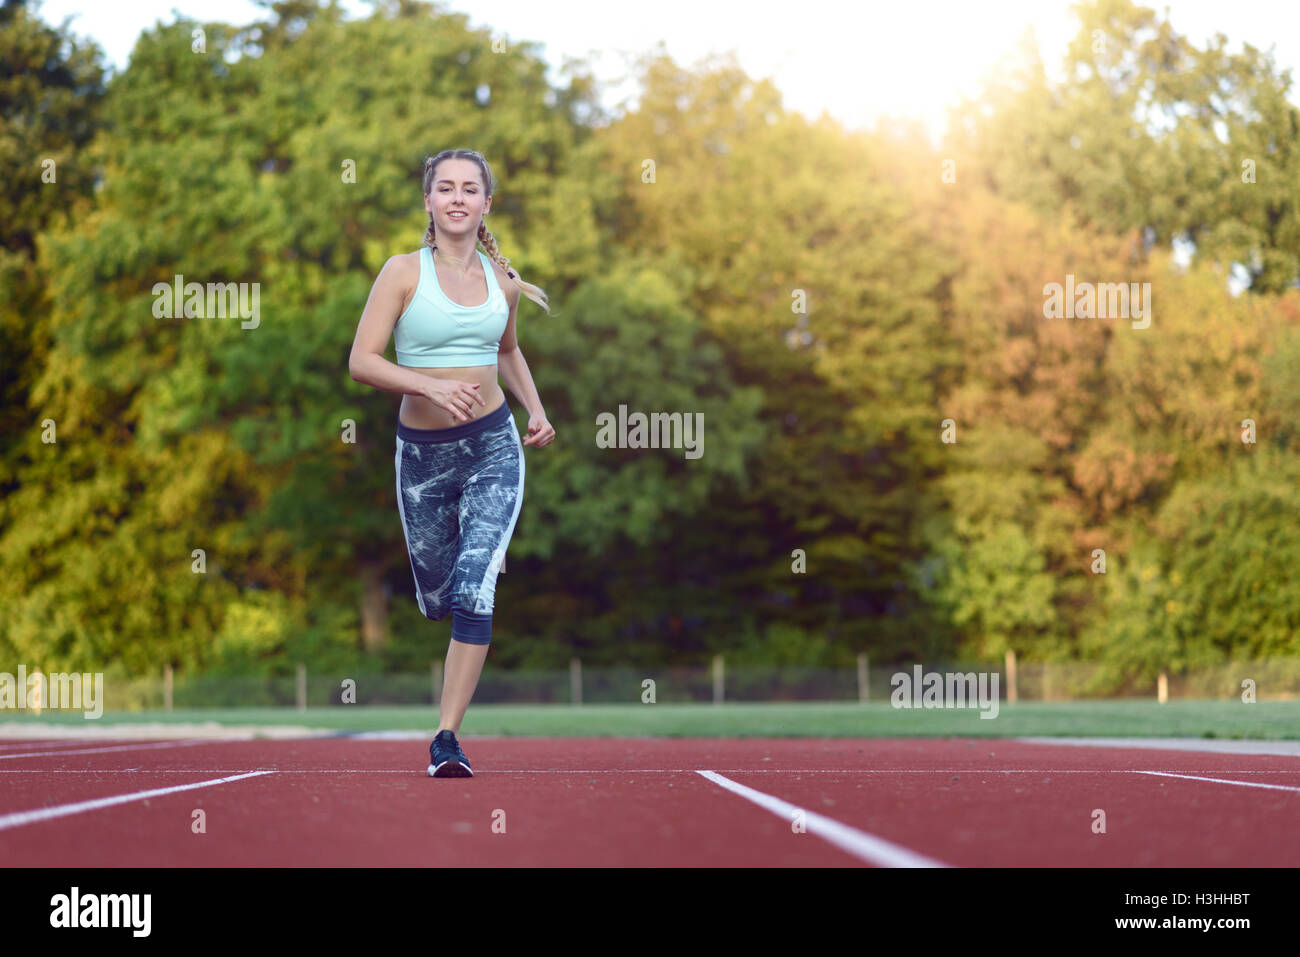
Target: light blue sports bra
(434, 331)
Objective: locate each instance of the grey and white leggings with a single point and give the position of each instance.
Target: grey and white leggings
(458, 494)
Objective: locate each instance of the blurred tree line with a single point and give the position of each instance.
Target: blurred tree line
(826, 299)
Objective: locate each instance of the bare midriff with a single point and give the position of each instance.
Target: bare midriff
(417, 412)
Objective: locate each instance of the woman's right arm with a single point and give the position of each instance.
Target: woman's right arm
(367, 363)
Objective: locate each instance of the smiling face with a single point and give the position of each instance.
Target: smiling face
(457, 187)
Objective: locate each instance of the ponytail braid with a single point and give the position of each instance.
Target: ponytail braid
(490, 247)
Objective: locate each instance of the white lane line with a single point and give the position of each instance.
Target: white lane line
(30, 771)
(19, 818)
(578, 771)
(48, 743)
(1241, 784)
(120, 747)
(1214, 745)
(868, 847)
(571, 771)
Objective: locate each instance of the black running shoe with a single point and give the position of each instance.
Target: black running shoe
(446, 759)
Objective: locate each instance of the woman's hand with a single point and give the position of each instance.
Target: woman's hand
(454, 396)
(539, 431)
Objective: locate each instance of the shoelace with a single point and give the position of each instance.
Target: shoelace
(450, 749)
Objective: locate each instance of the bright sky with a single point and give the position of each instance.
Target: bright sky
(856, 61)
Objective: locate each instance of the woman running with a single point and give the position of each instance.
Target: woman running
(459, 462)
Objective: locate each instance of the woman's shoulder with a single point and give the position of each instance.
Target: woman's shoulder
(404, 267)
(508, 285)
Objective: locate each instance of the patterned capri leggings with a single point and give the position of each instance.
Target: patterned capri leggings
(458, 494)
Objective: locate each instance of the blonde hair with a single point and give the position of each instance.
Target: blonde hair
(488, 241)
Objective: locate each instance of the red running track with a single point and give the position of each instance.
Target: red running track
(644, 803)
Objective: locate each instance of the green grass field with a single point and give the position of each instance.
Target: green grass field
(1268, 720)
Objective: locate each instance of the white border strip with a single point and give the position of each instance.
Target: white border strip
(19, 818)
(499, 553)
(406, 529)
(1243, 784)
(868, 847)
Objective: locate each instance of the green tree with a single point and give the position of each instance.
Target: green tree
(51, 85)
(1147, 132)
(1209, 584)
(811, 270)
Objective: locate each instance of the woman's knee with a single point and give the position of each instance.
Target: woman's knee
(469, 626)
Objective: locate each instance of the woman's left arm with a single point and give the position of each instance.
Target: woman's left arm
(513, 369)
(514, 372)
